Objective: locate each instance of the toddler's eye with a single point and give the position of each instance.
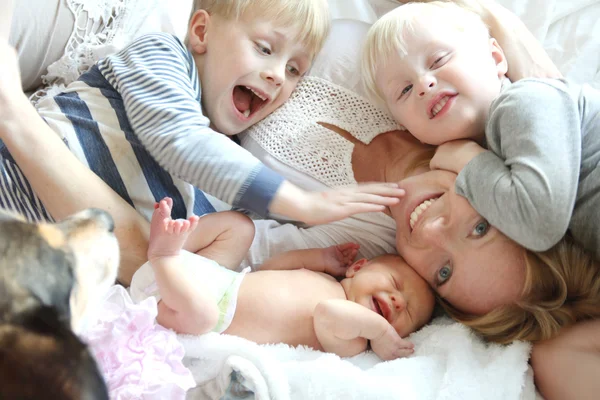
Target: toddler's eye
(406, 90)
(263, 49)
(437, 62)
(481, 228)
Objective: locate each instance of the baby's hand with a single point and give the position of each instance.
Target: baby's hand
(454, 155)
(337, 259)
(390, 345)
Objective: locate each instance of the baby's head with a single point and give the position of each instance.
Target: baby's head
(250, 55)
(390, 287)
(435, 68)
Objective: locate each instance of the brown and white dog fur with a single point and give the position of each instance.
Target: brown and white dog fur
(50, 275)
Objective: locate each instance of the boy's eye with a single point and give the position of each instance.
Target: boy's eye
(443, 274)
(481, 228)
(292, 70)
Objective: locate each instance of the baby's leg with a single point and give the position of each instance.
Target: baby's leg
(186, 305)
(224, 237)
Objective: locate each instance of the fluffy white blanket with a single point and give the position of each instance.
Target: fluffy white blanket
(449, 363)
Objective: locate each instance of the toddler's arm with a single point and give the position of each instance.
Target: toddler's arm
(344, 328)
(526, 185)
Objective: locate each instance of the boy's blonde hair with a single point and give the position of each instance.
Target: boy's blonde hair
(562, 286)
(311, 17)
(386, 37)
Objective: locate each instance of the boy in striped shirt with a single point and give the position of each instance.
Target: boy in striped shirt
(153, 120)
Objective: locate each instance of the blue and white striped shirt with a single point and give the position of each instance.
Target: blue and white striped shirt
(136, 120)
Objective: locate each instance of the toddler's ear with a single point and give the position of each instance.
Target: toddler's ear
(197, 37)
(499, 58)
(354, 268)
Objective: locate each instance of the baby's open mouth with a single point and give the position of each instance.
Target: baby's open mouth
(247, 100)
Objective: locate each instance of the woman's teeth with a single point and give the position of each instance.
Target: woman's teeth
(420, 209)
(436, 109)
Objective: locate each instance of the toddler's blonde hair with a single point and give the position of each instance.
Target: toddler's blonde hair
(311, 17)
(562, 286)
(386, 37)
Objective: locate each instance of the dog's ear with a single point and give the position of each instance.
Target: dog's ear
(43, 359)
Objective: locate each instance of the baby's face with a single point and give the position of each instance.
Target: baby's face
(248, 68)
(391, 288)
(443, 87)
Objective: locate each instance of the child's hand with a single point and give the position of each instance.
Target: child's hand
(454, 155)
(337, 204)
(390, 345)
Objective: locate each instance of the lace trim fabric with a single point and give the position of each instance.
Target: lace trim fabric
(293, 135)
(101, 27)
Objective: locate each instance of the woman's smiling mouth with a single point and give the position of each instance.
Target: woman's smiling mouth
(419, 210)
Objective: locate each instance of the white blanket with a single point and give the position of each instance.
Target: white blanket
(449, 363)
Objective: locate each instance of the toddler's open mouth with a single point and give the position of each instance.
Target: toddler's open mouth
(248, 100)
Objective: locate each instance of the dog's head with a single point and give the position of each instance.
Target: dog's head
(50, 275)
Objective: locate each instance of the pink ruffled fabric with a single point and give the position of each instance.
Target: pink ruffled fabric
(139, 358)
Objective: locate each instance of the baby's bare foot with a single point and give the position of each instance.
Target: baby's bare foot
(167, 236)
(337, 259)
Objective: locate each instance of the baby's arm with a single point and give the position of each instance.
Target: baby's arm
(526, 185)
(333, 260)
(345, 328)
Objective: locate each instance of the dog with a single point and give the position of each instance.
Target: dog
(50, 275)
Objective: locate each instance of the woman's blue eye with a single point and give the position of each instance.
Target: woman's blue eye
(481, 228)
(444, 274)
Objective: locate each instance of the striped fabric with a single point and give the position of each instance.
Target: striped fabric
(135, 119)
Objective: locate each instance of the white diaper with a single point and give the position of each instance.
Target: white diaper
(223, 284)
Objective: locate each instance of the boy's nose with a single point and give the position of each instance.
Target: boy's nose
(274, 76)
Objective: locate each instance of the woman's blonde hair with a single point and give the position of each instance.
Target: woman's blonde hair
(387, 36)
(311, 17)
(562, 286)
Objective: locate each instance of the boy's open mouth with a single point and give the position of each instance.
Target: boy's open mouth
(247, 100)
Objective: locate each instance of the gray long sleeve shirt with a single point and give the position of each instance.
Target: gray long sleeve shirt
(540, 176)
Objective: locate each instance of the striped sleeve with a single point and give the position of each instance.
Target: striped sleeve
(158, 81)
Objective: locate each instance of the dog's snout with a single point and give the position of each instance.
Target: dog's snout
(104, 218)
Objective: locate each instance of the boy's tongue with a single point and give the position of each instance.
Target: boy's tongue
(241, 98)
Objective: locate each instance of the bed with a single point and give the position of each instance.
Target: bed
(143, 360)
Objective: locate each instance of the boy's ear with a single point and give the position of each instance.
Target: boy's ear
(197, 37)
(499, 58)
(354, 268)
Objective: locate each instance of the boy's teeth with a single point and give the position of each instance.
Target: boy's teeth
(246, 113)
(257, 95)
(414, 216)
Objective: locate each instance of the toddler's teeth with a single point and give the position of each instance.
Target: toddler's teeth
(246, 113)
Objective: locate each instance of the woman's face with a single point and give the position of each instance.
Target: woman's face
(468, 262)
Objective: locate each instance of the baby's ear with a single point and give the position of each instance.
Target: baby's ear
(354, 268)
(197, 35)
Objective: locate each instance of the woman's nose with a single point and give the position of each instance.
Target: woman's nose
(434, 232)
